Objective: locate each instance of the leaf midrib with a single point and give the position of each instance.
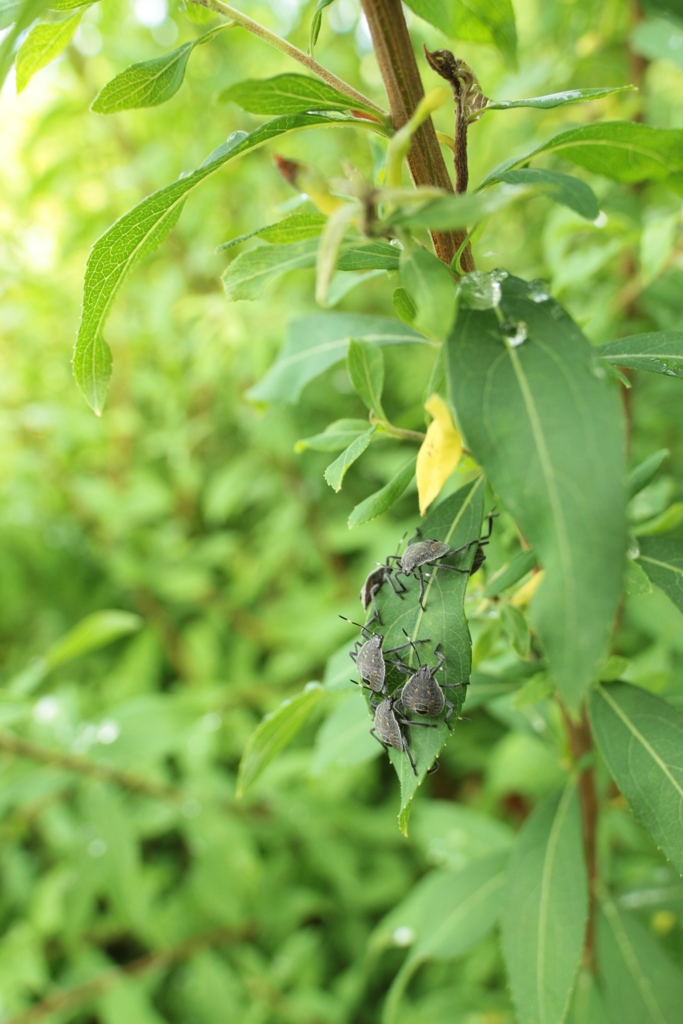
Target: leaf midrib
(664, 565)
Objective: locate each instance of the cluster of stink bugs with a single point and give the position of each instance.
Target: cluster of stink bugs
(421, 695)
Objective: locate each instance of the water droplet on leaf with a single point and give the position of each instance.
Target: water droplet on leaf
(538, 291)
(479, 290)
(515, 331)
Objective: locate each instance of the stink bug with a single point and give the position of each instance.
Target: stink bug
(422, 694)
(387, 727)
(369, 657)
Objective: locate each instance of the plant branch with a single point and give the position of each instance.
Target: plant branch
(285, 47)
(70, 999)
(396, 59)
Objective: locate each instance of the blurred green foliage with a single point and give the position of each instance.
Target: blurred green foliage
(185, 505)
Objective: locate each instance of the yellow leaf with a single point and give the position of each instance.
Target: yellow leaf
(439, 454)
(521, 597)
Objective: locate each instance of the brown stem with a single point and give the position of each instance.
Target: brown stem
(396, 59)
(71, 998)
(581, 746)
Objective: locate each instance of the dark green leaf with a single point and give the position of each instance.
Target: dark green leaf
(662, 560)
(139, 232)
(659, 37)
(521, 564)
(314, 343)
(336, 471)
(562, 188)
(288, 94)
(296, 228)
(547, 428)
(365, 363)
(641, 984)
(640, 737)
(431, 286)
(622, 150)
(658, 352)
(479, 21)
(558, 99)
(383, 499)
(546, 909)
(42, 45)
(275, 732)
(641, 476)
(150, 82)
(335, 436)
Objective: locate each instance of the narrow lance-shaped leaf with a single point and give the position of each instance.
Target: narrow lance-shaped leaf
(139, 231)
(20, 17)
(558, 99)
(662, 560)
(296, 228)
(289, 94)
(42, 45)
(150, 82)
(658, 352)
(334, 437)
(641, 476)
(640, 737)
(314, 343)
(546, 909)
(275, 732)
(336, 471)
(547, 427)
(642, 985)
(562, 188)
(365, 363)
(383, 499)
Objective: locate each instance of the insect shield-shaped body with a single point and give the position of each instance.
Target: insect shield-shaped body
(369, 657)
(427, 552)
(374, 583)
(422, 694)
(387, 727)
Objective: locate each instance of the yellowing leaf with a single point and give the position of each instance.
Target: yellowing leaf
(521, 597)
(439, 454)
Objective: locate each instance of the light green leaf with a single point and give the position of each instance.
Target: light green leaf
(9, 10)
(345, 737)
(296, 228)
(558, 99)
(515, 626)
(141, 230)
(247, 275)
(20, 16)
(521, 564)
(336, 471)
(335, 436)
(622, 150)
(662, 560)
(666, 521)
(635, 579)
(449, 212)
(383, 499)
(329, 249)
(546, 909)
(274, 733)
(314, 343)
(659, 38)
(548, 430)
(405, 308)
(368, 256)
(641, 984)
(641, 476)
(561, 188)
(316, 23)
(640, 737)
(453, 834)
(365, 363)
(42, 45)
(150, 82)
(288, 94)
(657, 351)
(431, 286)
(479, 21)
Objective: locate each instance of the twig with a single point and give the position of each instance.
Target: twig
(292, 51)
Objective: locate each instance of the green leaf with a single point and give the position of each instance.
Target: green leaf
(296, 228)
(641, 984)
(20, 16)
(515, 626)
(288, 94)
(449, 212)
(383, 499)
(345, 737)
(456, 521)
(667, 520)
(636, 580)
(9, 11)
(150, 82)
(546, 909)
(547, 428)
(316, 23)
(365, 363)
(662, 560)
(479, 21)
(335, 436)
(657, 352)
(622, 150)
(404, 306)
(454, 834)
(368, 256)
(587, 1006)
(561, 188)
(521, 564)
(140, 231)
(558, 99)
(431, 286)
(42, 45)
(659, 38)
(336, 471)
(314, 343)
(641, 476)
(640, 737)
(247, 275)
(274, 733)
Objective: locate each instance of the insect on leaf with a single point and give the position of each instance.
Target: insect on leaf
(546, 909)
(640, 737)
(439, 453)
